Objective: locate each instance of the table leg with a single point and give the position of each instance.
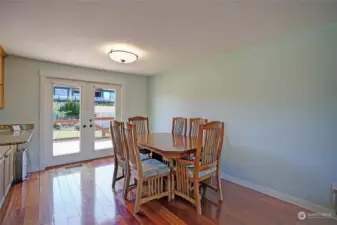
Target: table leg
(171, 165)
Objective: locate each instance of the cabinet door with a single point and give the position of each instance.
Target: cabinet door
(2, 179)
(7, 172)
(11, 164)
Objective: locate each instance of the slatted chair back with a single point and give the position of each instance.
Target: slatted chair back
(133, 155)
(194, 126)
(142, 124)
(179, 125)
(116, 130)
(209, 146)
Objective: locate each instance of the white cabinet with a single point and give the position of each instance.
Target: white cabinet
(11, 165)
(2, 180)
(8, 169)
(6, 172)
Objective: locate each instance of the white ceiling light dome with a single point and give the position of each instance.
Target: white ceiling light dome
(122, 56)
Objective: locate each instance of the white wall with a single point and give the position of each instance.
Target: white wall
(279, 100)
(22, 93)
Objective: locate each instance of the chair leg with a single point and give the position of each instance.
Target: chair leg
(197, 196)
(126, 184)
(173, 187)
(218, 181)
(169, 187)
(204, 188)
(114, 177)
(139, 195)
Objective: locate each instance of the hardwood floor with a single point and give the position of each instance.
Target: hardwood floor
(83, 195)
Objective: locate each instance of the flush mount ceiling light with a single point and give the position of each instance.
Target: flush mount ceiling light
(122, 56)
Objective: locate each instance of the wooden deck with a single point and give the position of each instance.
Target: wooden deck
(83, 195)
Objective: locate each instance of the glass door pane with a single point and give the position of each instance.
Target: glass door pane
(66, 119)
(104, 112)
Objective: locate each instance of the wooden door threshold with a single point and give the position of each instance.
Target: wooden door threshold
(76, 164)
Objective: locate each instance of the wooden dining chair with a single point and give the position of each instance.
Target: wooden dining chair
(193, 132)
(194, 126)
(142, 124)
(150, 174)
(142, 128)
(117, 131)
(179, 125)
(206, 164)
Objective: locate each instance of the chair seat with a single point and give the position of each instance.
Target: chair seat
(143, 157)
(189, 157)
(153, 167)
(201, 173)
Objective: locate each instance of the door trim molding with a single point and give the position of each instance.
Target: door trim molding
(42, 144)
(46, 74)
(79, 77)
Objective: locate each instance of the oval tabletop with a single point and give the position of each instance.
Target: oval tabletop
(167, 144)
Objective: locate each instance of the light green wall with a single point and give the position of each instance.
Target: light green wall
(22, 97)
(279, 100)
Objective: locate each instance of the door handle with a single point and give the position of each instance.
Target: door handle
(84, 126)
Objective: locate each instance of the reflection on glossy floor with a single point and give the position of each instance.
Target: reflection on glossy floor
(65, 147)
(83, 195)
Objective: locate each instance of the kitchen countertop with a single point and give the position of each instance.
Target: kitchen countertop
(9, 137)
(15, 137)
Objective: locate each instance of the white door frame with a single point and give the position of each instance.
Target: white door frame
(43, 75)
(92, 86)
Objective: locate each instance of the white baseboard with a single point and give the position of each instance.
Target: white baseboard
(284, 197)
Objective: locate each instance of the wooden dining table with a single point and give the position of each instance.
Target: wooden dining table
(168, 145)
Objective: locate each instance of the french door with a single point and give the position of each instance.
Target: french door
(77, 115)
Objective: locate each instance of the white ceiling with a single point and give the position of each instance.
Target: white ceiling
(167, 33)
